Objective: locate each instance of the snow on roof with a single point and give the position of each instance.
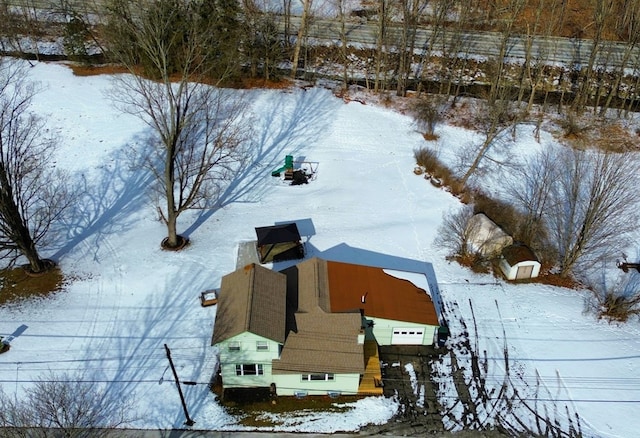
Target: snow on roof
(125, 297)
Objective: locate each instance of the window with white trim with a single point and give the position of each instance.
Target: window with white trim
(234, 346)
(249, 369)
(318, 377)
(262, 346)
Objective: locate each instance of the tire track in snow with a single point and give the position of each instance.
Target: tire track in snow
(411, 208)
(102, 301)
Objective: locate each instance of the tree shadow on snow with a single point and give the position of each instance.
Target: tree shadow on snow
(132, 356)
(102, 205)
(286, 129)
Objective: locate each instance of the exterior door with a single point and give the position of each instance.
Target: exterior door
(524, 272)
(407, 336)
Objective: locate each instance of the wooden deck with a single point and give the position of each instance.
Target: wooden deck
(371, 382)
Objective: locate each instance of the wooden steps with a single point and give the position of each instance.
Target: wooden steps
(371, 382)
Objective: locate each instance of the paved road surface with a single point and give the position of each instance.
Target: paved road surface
(569, 51)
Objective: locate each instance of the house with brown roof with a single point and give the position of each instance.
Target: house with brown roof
(324, 339)
(250, 325)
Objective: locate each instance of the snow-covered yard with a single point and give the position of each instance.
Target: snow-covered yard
(126, 298)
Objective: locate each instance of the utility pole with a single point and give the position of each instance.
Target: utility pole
(189, 421)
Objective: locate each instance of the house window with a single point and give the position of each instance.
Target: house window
(262, 346)
(249, 369)
(317, 377)
(234, 346)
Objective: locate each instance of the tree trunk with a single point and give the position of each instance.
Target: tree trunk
(36, 264)
(170, 181)
(172, 237)
(19, 232)
(301, 33)
(343, 44)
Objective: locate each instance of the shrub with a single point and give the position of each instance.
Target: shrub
(572, 127)
(74, 40)
(427, 158)
(474, 261)
(619, 307)
(427, 114)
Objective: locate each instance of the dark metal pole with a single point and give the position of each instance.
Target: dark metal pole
(189, 421)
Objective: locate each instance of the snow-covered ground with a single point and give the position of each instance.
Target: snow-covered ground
(126, 298)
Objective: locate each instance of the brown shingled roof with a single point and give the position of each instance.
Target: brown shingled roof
(251, 299)
(324, 343)
(386, 296)
(518, 253)
(320, 341)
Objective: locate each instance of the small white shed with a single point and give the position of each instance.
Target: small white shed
(519, 262)
(485, 237)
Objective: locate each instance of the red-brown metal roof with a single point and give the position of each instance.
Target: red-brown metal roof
(385, 296)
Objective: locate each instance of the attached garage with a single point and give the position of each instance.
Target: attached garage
(395, 308)
(407, 336)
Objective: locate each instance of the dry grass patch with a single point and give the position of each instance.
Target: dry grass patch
(430, 137)
(280, 84)
(94, 70)
(614, 137)
(16, 285)
(605, 135)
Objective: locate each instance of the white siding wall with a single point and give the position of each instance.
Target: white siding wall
(247, 354)
(289, 384)
(510, 272)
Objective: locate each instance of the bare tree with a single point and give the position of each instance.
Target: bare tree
(263, 45)
(494, 118)
(411, 10)
(302, 34)
(441, 8)
(197, 129)
(468, 240)
(382, 37)
(601, 13)
(593, 206)
(511, 10)
(31, 196)
(629, 27)
(428, 112)
(455, 49)
(616, 298)
(454, 233)
(19, 19)
(530, 190)
(64, 405)
(341, 6)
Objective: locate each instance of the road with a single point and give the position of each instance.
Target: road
(568, 51)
